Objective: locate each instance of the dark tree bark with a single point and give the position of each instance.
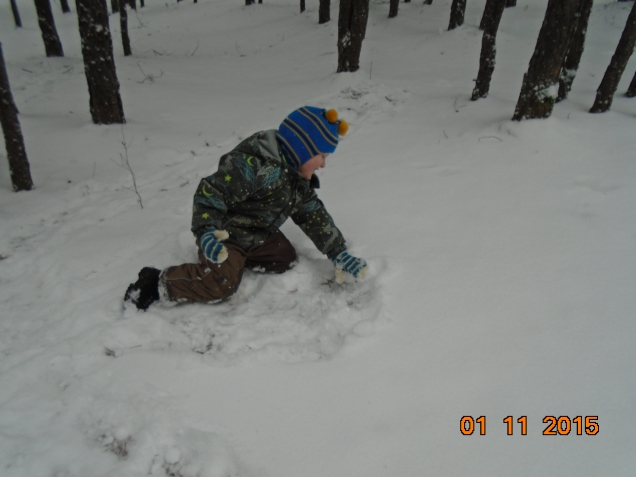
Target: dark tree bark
(539, 89)
(393, 8)
(488, 13)
(324, 11)
(352, 26)
(65, 7)
(511, 3)
(458, 9)
(97, 50)
(123, 23)
(302, 6)
(426, 2)
(625, 48)
(631, 91)
(575, 51)
(249, 2)
(142, 4)
(488, 48)
(114, 6)
(16, 14)
(18, 162)
(132, 3)
(52, 44)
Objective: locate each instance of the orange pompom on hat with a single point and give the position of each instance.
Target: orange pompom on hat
(309, 131)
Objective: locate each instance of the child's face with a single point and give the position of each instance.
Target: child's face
(309, 167)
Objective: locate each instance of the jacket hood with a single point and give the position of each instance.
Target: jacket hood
(262, 144)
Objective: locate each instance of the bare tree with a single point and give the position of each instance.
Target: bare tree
(458, 9)
(123, 24)
(99, 66)
(631, 91)
(393, 8)
(65, 7)
(249, 2)
(539, 89)
(114, 6)
(133, 4)
(488, 48)
(324, 13)
(52, 44)
(352, 26)
(575, 51)
(18, 162)
(16, 14)
(511, 3)
(625, 48)
(302, 6)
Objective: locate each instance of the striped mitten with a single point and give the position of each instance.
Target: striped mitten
(212, 247)
(349, 264)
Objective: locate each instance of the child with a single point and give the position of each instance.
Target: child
(239, 210)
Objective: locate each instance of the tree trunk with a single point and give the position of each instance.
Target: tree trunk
(97, 50)
(625, 48)
(458, 9)
(511, 3)
(123, 23)
(488, 48)
(65, 7)
(575, 51)
(352, 26)
(142, 4)
(426, 2)
(114, 6)
(539, 89)
(302, 6)
(132, 3)
(631, 91)
(393, 8)
(52, 43)
(248, 2)
(324, 13)
(18, 162)
(16, 14)
(488, 13)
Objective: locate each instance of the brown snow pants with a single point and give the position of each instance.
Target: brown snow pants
(207, 282)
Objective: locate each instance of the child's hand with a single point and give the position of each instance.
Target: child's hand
(349, 264)
(212, 247)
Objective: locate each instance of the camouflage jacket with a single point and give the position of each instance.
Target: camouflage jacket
(254, 191)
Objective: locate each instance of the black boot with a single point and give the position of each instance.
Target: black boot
(145, 291)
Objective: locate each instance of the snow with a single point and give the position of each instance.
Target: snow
(502, 255)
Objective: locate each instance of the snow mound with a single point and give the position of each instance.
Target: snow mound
(301, 315)
(147, 445)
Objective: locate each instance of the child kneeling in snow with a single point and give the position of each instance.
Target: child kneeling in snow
(239, 209)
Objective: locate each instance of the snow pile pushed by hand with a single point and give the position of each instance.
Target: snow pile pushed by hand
(302, 315)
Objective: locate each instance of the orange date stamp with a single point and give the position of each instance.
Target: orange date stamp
(561, 426)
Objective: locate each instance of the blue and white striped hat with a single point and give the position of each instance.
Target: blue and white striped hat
(309, 131)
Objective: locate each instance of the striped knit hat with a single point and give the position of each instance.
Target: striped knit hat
(309, 131)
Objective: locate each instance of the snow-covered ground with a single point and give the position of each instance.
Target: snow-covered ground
(502, 255)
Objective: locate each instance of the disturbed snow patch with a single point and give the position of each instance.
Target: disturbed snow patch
(359, 100)
(301, 315)
(130, 434)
